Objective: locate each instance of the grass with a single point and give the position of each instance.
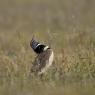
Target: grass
(67, 26)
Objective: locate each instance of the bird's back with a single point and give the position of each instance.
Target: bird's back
(43, 61)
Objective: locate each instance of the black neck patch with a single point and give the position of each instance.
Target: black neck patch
(39, 49)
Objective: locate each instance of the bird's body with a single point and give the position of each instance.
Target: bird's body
(43, 60)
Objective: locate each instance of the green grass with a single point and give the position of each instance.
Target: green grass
(67, 26)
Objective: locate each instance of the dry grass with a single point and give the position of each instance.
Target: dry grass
(67, 26)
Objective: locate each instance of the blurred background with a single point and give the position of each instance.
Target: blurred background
(68, 26)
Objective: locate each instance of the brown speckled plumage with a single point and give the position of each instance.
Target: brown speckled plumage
(41, 61)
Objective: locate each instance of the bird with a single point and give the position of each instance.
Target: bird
(44, 58)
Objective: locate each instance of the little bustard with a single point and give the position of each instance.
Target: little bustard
(44, 58)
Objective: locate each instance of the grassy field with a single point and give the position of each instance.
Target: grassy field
(68, 26)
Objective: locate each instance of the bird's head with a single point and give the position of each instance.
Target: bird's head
(38, 47)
